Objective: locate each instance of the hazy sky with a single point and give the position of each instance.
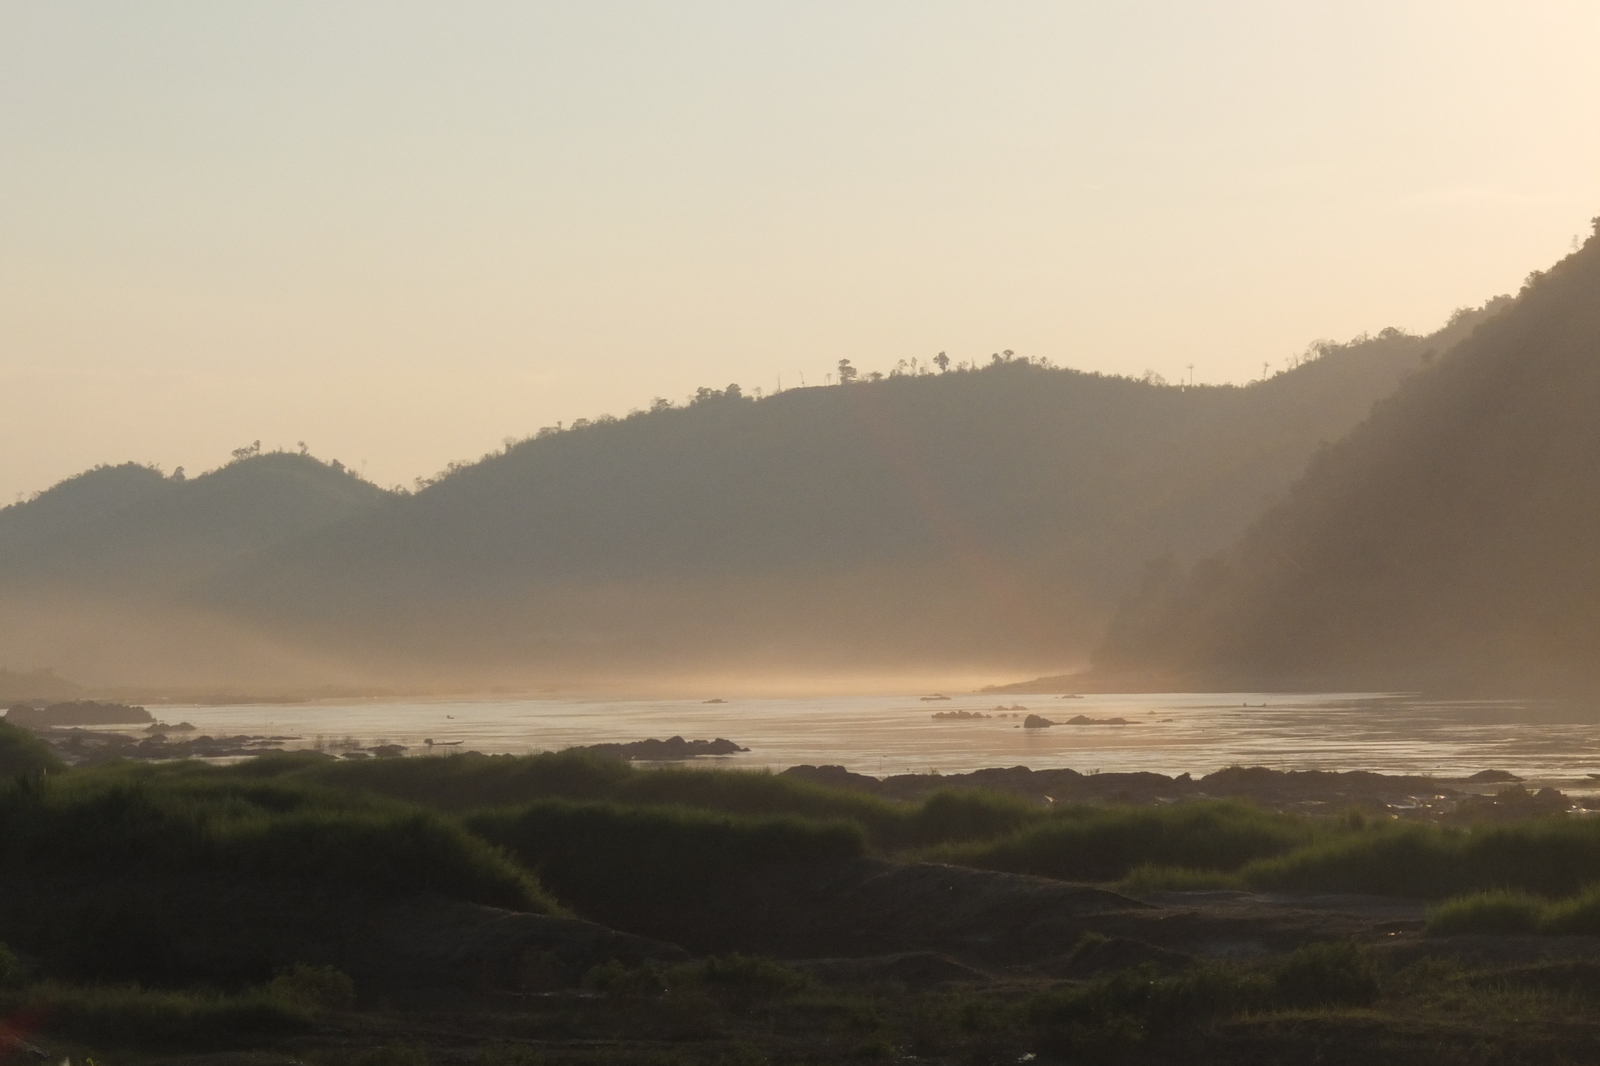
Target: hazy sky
(402, 231)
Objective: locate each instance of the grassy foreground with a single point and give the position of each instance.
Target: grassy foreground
(153, 910)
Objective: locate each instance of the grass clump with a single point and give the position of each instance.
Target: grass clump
(1509, 912)
(132, 1016)
(1500, 911)
(1111, 1013)
(118, 822)
(1091, 843)
(1549, 857)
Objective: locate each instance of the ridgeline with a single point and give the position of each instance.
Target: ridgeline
(978, 518)
(1448, 543)
(986, 518)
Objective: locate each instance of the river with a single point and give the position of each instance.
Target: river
(1547, 742)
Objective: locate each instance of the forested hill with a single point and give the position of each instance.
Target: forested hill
(1453, 541)
(988, 517)
(130, 530)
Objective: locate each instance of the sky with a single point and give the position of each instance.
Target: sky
(403, 232)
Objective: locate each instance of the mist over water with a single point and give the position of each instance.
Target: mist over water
(1547, 742)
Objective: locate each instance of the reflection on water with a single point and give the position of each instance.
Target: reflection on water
(1544, 741)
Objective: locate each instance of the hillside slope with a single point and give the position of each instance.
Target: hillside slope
(1449, 543)
(120, 530)
(96, 575)
(980, 519)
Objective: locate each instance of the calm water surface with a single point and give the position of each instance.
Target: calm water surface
(1544, 741)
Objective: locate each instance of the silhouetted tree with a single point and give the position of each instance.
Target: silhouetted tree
(847, 373)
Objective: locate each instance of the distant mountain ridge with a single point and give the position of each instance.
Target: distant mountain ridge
(982, 519)
(129, 528)
(1450, 542)
(987, 516)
